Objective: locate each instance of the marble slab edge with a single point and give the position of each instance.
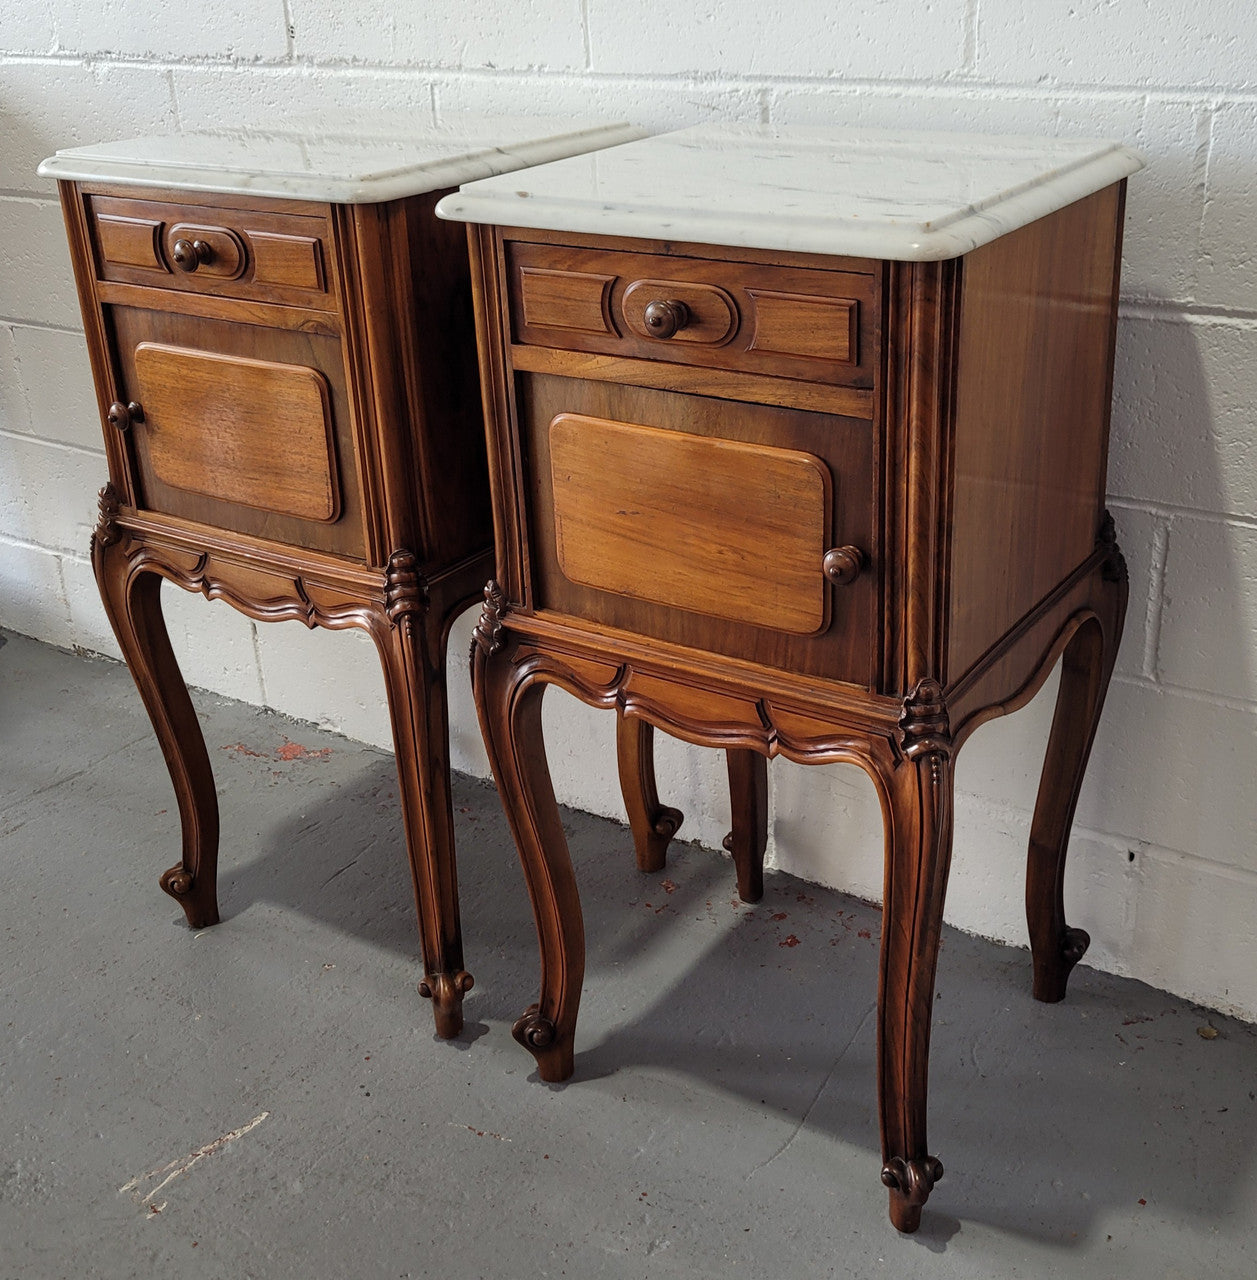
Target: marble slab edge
(434, 175)
(904, 241)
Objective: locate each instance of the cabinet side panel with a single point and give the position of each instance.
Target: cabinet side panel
(449, 440)
(1032, 417)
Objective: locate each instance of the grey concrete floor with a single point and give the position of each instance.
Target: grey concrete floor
(267, 1099)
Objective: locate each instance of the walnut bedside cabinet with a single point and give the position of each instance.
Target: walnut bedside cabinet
(798, 443)
(282, 343)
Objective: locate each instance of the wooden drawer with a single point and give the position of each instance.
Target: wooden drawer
(813, 325)
(251, 254)
(701, 522)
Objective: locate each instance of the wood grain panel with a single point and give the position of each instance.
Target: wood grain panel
(280, 259)
(851, 402)
(130, 242)
(1032, 410)
(248, 431)
(565, 299)
(722, 528)
(794, 324)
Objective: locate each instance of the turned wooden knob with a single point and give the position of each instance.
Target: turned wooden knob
(842, 565)
(122, 415)
(664, 318)
(187, 255)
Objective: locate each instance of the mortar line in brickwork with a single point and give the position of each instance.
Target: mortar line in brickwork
(1170, 510)
(1202, 165)
(28, 197)
(971, 35)
(1010, 813)
(1209, 95)
(29, 437)
(257, 662)
(1245, 705)
(1228, 869)
(1156, 599)
(290, 32)
(1188, 312)
(174, 100)
(45, 326)
(25, 544)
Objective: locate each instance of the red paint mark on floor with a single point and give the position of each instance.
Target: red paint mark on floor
(295, 751)
(791, 941)
(669, 887)
(288, 752)
(781, 915)
(864, 933)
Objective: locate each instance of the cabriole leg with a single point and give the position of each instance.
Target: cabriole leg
(918, 855)
(411, 652)
(133, 602)
(653, 824)
(748, 798)
(508, 702)
(1086, 667)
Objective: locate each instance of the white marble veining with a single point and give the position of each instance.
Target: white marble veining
(348, 160)
(864, 192)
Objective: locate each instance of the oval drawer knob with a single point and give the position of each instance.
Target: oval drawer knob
(664, 318)
(187, 255)
(122, 415)
(843, 565)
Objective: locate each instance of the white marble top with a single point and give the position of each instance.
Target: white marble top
(864, 192)
(344, 159)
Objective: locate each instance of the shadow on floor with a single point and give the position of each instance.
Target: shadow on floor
(1111, 1095)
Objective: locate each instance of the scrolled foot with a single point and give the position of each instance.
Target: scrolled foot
(910, 1183)
(540, 1037)
(446, 991)
(750, 871)
(200, 908)
(652, 853)
(1074, 945)
(1051, 978)
(667, 822)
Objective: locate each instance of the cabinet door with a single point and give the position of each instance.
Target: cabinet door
(702, 522)
(243, 427)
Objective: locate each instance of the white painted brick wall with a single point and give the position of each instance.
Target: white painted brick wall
(1163, 870)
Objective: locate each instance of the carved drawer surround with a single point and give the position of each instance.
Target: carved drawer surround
(905, 474)
(281, 340)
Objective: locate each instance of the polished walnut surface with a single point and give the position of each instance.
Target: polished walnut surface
(922, 478)
(282, 343)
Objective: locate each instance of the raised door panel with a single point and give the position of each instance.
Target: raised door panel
(243, 427)
(736, 531)
(701, 522)
(242, 430)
